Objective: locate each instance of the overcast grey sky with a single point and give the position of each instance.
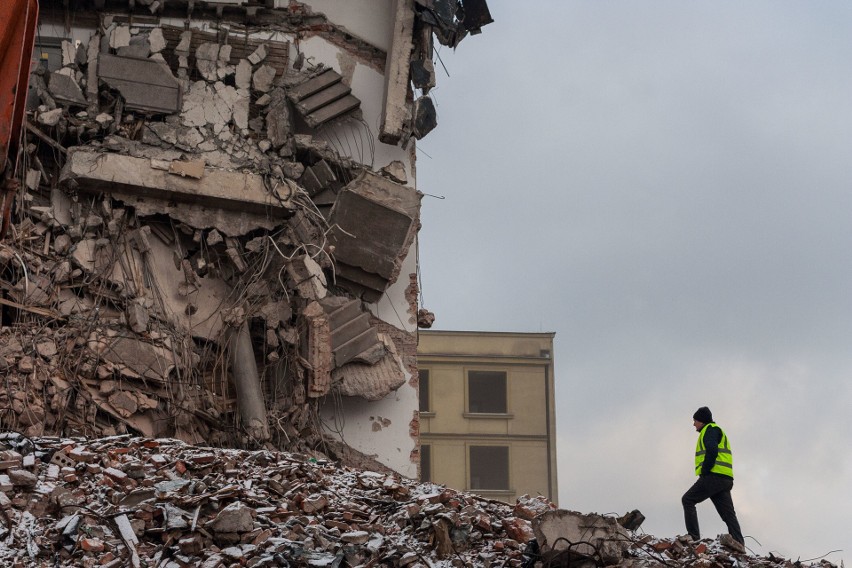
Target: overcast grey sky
(667, 186)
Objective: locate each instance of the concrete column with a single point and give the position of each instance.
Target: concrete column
(247, 383)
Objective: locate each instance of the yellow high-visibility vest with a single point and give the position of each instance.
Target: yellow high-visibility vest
(724, 459)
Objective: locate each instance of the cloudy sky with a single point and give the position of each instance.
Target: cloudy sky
(667, 186)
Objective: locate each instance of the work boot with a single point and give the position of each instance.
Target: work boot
(729, 541)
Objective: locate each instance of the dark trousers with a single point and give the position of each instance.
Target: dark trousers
(718, 489)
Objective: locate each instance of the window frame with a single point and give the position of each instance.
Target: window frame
(468, 413)
(429, 410)
(470, 468)
(426, 457)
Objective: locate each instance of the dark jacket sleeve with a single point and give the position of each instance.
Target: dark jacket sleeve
(711, 446)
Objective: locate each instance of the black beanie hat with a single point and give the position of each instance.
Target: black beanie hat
(703, 415)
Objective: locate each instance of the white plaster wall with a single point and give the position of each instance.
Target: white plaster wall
(369, 86)
(369, 20)
(393, 306)
(392, 445)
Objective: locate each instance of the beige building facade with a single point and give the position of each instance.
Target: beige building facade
(487, 413)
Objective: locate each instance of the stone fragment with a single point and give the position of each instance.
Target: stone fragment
(258, 55)
(396, 171)
(184, 44)
(156, 40)
(137, 316)
(243, 74)
(235, 518)
(51, 117)
(308, 277)
(46, 348)
(279, 123)
(355, 537)
(119, 37)
(22, 478)
(69, 53)
(262, 78)
(65, 89)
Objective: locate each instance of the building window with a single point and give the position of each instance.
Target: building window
(424, 390)
(489, 467)
(486, 392)
(425, 463)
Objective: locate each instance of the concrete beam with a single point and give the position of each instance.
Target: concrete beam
(395, 113)
(217, 189)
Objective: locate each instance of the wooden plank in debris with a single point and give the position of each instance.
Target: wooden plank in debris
(312, 86)
(332, 111)
(323, 98)
(145, 84)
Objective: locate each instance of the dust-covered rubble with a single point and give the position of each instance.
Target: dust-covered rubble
(129, 501)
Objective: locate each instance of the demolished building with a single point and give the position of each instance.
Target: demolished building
(215, 234)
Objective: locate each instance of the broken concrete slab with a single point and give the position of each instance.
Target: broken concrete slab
(376, 249)
(65, 89)
(580, 536)
(371, 381)
(139, 358)
(262, 78)
(145, 84)
(119, 37)
(221, 189)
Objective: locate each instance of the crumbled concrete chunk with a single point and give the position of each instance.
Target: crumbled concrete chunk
(137, 317)
(104, 119)
(156, 40)
(119, 37)
(262, 78)
(184, 44)
(23, 478)
(33, 179)
(65, 89)
(51, 117)
(396, 171)
(258, 55)
(308, 277)
(235, 518)
(243, 74)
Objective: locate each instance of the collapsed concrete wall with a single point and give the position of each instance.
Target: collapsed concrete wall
(213, 236)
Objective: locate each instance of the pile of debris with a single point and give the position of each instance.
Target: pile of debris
(124, 501)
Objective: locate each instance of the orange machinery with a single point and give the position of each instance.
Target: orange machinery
(18, 21)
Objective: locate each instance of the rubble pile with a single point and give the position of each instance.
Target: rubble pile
(199, 235)
(124, 501)
(128, 501)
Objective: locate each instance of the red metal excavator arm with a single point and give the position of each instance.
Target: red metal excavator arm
(18, 21)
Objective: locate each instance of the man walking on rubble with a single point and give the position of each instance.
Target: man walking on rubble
(714, 466)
